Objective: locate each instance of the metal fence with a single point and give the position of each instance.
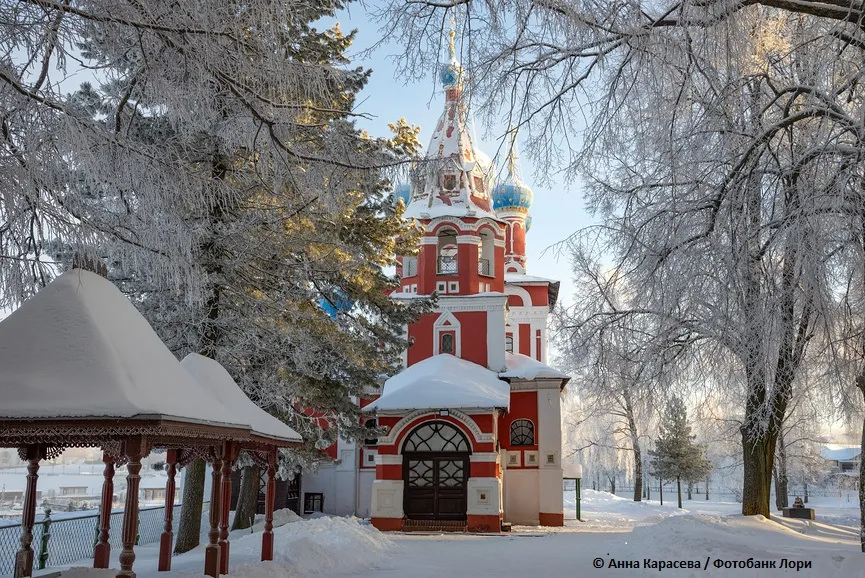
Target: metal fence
(70, 539)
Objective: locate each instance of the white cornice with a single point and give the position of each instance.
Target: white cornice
(488, 302)
(468, 239)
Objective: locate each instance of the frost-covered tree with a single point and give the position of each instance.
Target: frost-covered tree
(676, 456)
(722, 151)
(214, 165)
(619, 380)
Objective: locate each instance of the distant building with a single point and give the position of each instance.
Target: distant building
(842, 459)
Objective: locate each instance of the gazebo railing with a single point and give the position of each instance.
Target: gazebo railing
(66, 540)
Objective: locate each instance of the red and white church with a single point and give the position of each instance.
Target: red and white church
(474, 433)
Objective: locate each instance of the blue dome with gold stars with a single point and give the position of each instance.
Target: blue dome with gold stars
(512, 195)
(402, 191)
(451, 73)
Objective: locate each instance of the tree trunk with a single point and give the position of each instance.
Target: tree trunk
(860, 383)
(189, 526)
(612, 484)
(648, 490)
(247, 500)
(690, 489)
(661, 490)
(781, 479)
(806, 483)
(635, 445)
(679, 488)
(707, 488)
(758, 458)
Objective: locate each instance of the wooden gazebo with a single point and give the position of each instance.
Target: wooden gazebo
(81, 367)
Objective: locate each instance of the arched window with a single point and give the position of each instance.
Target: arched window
(509, 343)
(447, 344)
(436, 436)
(487, 254)
(447, 252)
(522, 432)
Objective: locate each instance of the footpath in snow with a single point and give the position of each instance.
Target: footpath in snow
(619, 538)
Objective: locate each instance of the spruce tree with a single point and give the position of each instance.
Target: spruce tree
(284, 278)
(676, 456)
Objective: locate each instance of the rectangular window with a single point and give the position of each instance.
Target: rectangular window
(441, 287)
(509, 343)
(453, 287)
(313, 502)
(409, 266)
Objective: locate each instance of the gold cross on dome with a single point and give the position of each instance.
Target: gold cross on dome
(452, 34)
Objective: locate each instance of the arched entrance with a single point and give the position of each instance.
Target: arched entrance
(436, 472)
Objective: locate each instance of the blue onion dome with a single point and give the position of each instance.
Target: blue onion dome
(528, 223)
(402, 191)
(451, 74)
(512, 195)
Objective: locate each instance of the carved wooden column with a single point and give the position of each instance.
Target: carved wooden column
(166, 540)
(224, 546)
(102, 553)
(269, 499)
(135, 448)
(24, 557)
(211, 553)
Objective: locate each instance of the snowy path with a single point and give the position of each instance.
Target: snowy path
(616, 531)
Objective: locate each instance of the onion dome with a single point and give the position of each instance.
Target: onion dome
(451, 74)
(402, 191)
(512, 194)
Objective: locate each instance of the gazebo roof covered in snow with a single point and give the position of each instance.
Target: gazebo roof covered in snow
(81, 366)
(214, 377)
(80, 349)
(443, 381)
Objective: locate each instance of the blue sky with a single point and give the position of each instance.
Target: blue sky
(558, 210)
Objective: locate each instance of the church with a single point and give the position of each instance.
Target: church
(473, 420)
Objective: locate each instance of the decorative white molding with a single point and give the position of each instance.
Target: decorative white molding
(485, 457)
(472, 302)
(484, 497)
(534, 314)
(429, 241)
(518, 291)
(499, 242)
(388, 460)
(440, 327)
(535, 384)
(468, 240)
(387, 499)
(461, 417)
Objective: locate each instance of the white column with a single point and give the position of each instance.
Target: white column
(550, 447)
(496, 339)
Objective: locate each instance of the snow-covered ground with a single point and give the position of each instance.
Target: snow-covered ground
(616, 533)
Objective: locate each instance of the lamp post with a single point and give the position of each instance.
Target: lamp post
(575, 472)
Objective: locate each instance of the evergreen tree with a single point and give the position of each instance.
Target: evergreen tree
(282, 272)
(676, 456)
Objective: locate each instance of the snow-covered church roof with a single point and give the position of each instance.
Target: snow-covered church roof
(214, 377)
(80, 349)
(521, 366)
(443, 381)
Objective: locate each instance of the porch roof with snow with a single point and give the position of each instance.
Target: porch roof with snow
(216, 379)
(443, 381)
(521, 366)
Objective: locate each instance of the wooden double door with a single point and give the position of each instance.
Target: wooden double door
(436, 485)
